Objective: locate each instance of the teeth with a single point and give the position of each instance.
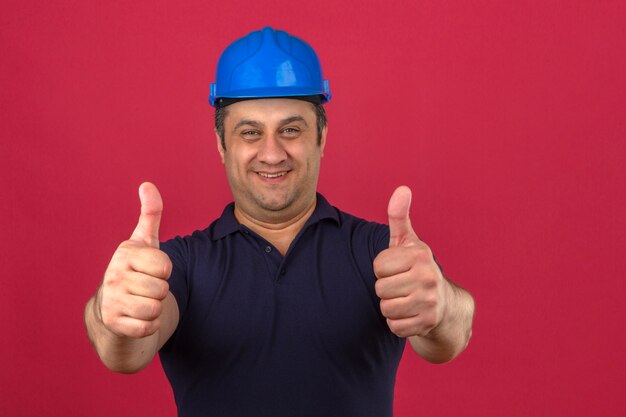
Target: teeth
(266, 175)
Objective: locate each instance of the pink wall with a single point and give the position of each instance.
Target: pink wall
(507, 119)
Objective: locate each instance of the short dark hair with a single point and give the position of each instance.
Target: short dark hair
(220, 116)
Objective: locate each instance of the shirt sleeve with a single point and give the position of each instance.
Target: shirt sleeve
(178, 251)
(379, 239)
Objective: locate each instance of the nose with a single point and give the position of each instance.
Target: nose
(271, 151)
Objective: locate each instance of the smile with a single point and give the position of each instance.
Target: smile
(272, 175)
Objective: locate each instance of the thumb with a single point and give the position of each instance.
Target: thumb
(399, 222)
(147, 230)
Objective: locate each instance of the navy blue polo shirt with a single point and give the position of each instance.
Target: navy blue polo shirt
(261, 334)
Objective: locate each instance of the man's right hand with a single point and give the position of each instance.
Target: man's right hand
(130, 299)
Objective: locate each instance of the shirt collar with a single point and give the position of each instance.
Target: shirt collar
(227, 223)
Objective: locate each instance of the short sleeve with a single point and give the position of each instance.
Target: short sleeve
(380, 238)
(178, 251)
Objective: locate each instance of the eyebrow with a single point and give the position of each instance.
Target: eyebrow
(249, 122)
(258, 125)
(293, 119)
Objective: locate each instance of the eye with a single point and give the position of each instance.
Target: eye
(250, 135)
(290, 132)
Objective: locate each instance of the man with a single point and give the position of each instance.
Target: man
(285, 306)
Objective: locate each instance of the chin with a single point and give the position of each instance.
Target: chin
(274, 204)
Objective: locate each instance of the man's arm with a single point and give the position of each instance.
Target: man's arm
(451, 336)
(417, 300)
(133, 312)
(128, 354)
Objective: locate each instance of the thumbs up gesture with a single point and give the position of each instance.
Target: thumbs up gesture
(129, 301)
(409, 283)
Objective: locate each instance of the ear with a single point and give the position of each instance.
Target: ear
(323, 140)
(220, 148)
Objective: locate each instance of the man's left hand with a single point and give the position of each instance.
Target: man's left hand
(409, 282)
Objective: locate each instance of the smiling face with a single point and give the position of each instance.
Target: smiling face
(272, 157)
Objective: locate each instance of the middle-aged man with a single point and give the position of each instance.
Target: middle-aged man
(285, 305)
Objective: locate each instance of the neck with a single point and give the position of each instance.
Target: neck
(279, 234)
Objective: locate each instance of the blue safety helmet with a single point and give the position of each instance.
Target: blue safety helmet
(269, 63)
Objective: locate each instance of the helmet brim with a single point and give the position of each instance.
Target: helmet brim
(260, 93)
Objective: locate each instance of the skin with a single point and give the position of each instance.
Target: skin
(133, 313)
(272, 161)
(417, 300)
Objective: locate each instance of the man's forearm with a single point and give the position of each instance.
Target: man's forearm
(119, 353)
(451, 336)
